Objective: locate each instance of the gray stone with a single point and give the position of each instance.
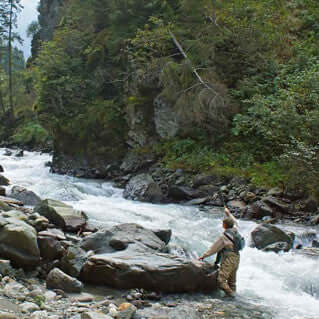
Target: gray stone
(57, 279)
(266, 234)
(27, 197)
(143, 188)
(39, 315)
(2, 191)
(182, 192)
(7, 315)
(5, 267)
(61, 215)
(11, 201)
(163, 234)
(276, 191)
(129, 256)
(276, 203)
(54, 233)
(311, 205)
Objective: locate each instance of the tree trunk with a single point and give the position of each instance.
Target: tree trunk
(11, 112)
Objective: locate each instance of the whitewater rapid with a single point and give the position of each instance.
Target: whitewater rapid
(286, 284)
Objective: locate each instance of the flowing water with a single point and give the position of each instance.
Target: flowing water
(286, 284)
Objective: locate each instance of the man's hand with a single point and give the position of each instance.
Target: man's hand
(201, 258)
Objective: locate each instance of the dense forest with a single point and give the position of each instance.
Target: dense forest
(228, 87)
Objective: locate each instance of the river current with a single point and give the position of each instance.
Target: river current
(286, 284)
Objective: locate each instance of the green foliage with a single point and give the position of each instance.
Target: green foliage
(39, 300)
(30, 134)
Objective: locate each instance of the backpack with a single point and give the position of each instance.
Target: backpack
(236, 238)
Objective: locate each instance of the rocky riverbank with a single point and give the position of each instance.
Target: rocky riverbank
(144, 179)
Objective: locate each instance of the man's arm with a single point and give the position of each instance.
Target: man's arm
(230, 215)
(217, 246)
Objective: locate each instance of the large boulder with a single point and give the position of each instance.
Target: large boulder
(18, 242)
(61, 215)
(130, 256)
(183, 192)
(25, 196)
(260, 209)
(143, 188)
(265, 235)
(57, 279)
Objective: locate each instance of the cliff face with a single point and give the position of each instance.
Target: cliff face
(49, 17)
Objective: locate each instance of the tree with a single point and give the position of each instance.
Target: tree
(9, 10)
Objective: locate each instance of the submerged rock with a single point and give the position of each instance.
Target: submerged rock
(143, 188)
(266, 234)
(61, 215)
(130, 256)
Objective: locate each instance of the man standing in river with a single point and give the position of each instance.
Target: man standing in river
(227, 246)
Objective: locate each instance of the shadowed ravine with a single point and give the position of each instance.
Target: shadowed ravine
(286, 285)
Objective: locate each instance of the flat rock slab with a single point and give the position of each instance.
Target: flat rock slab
(61, 215)
(149, 270)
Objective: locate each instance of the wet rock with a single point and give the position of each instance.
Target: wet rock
(143, 188)
(50, 248)
(18, 242)
(57, 279)
(61, 215)
(7, 153)
(129, 256)
(236, 205)
(163, 234)
(19, 154)
(277, 247)
(94, 315)
(315, 244)
(134, 161)
(27, 197)
(267, 234)
(73, 261)
(4, 181)
(2, 191)
(1, 169)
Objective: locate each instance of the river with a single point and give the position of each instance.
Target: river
(286, 284)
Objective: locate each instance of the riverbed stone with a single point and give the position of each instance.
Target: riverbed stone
(73, 261)
(11, 201)
(266, 234)
(18, 242)
(57, 279)
(29, 307)
(129, 256)
(61, 215)
(143, 188)
(26, 196)
(94, 315)
(50, 248)
(260, 209)
(8, 315)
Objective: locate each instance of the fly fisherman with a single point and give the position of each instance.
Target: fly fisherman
(228, 246)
